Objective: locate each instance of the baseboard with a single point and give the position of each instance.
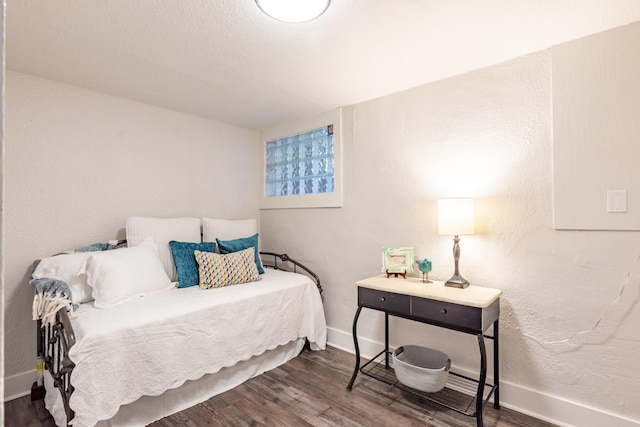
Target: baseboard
(534, 403)
(18, 385)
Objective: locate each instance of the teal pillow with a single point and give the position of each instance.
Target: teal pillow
(229, 246)
(185, 260)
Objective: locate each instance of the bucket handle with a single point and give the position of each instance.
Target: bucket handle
(399, 350)
(447, 366)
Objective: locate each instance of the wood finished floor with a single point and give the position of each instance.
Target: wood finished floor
(310, 390)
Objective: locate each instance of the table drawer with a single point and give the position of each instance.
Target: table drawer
(446, 314)
(386, 301)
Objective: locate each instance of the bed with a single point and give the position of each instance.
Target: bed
(139, 361)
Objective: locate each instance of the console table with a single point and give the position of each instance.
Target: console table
(471, 310)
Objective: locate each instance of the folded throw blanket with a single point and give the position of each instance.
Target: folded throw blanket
(52, 295)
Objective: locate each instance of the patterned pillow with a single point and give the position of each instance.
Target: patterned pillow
(218, 270)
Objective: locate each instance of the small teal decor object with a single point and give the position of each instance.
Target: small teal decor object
(425, 266)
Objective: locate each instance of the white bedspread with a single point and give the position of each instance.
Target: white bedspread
(156, 343)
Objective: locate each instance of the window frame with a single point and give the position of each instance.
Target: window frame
(301, 201)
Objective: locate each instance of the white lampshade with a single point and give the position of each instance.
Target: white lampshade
(293, 11)
(455, 216)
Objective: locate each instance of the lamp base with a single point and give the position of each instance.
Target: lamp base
(457, 282)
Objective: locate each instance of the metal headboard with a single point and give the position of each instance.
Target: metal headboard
(284, 258)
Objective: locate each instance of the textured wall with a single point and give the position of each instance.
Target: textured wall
(596, 105)
(79, 162)
(569, 311)
(2, 44)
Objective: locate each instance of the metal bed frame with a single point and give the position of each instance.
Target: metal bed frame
(54, 341)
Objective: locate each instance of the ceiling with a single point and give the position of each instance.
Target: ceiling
(226, 60)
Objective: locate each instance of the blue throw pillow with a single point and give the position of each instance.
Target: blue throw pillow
(229, 246)
(185, 260)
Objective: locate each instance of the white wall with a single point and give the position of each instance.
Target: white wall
(2, 44)
(596, 105)
(79, 162)
(569, 312)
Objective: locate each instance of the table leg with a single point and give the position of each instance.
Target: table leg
(357, 348)
(482, 380)
(386, 340)
(496, 366)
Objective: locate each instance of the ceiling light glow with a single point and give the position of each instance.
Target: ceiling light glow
(293, 11)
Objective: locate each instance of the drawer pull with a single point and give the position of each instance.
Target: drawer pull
(443, 311)
(382, 299)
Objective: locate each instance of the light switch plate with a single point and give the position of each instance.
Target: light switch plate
(616, 201)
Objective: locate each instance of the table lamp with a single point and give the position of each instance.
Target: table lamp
(455, 217)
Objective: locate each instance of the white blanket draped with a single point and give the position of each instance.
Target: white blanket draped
(156, 343)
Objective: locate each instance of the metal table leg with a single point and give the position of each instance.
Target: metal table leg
(496, 366)
(357, 348)
(386, 340)
(483, 379)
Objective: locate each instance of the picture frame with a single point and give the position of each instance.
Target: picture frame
(397, 260)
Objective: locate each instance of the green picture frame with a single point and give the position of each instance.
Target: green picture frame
(397, 260)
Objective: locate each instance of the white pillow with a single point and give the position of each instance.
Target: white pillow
(65, 267)
(120, 275)
(225, 229)
(163, 230)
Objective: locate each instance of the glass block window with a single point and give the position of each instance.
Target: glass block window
(300, 164)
